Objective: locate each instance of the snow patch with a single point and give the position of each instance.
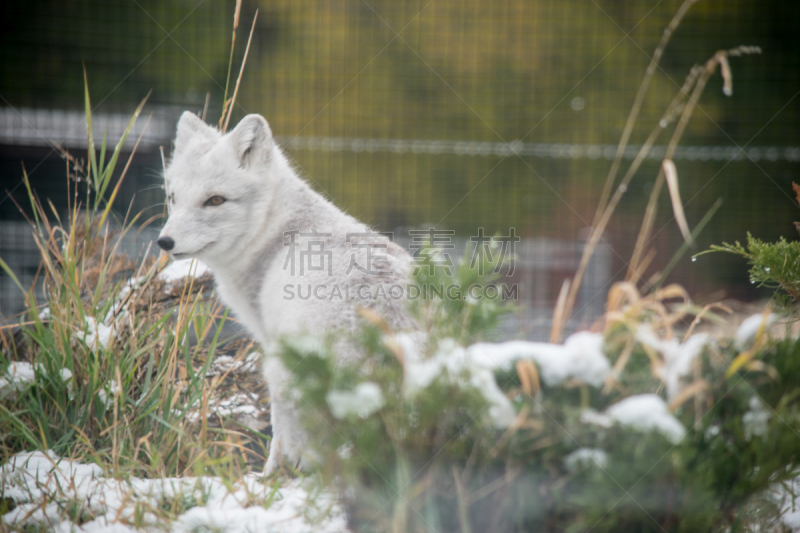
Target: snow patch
(458, 366)
(106, 395)
(590, 416)
(95, 332)
(586, 458)
(20, 373)
(236, 405)
(647, 412)
(42, 484)
(749, 327)
(365, 399)
(118, 311)
(643, 412)
(17, 375)
(179, 270)
(792, 521)
(785, 496)
(678, 357)
(756, 420)
(225, 364)
(581, 357)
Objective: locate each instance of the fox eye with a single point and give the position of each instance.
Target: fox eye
(215, 200)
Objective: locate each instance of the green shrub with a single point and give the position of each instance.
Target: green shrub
(435, 457)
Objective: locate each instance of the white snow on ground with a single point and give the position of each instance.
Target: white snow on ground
(792, 521)
(581, 357)
(178, 270)
(225, 364)
(17, 375)
(95, 332)
(455, 363)
(586, 458)
(106, 394)
(118, 311)
(20, 373)
(756, 420)
(42, 484)
(678, 357)
(363, 400)
(749, 328)
(786, 497)
(238, 404)
(643, 412)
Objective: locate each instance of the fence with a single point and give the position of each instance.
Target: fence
(540, 266)
(452, 114)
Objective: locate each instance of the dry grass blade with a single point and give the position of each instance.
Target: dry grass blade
(671, 174)
(703, 313)
(674, 109)
(110, 202)
(225, 100)
(11, 274)
(641, 267)
(619, 366)
(529, 377)
(652, 206)
(560, 312)
(727, 75)
(463, 502)
(671, 292)
(637, 104)
(522, 421)
(745, 357)
(205, 107)
(241, 72)
(691, 391)
(619, 295)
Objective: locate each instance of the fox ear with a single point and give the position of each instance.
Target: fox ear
(252, 140)
(188, 126)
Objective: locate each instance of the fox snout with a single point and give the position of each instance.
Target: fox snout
(166, 243)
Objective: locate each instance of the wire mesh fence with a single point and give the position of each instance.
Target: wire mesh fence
(457, 115)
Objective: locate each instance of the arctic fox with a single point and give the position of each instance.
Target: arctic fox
(285, 259)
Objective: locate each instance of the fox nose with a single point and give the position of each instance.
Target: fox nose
(166, 243)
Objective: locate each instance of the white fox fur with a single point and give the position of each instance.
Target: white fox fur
(243, 241)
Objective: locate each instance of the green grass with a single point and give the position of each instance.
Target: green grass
(125, 402)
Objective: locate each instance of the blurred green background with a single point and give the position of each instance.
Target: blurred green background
(543, 72)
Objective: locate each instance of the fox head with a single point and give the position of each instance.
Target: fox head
(218, 188)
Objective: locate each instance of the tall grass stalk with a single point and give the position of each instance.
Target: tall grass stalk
(681, 108)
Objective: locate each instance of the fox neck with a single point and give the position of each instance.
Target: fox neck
(290, 204)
